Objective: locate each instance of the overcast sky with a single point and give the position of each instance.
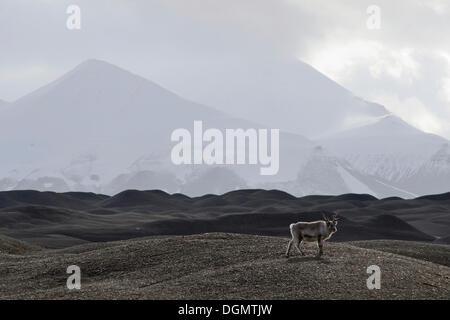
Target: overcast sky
(404, 65)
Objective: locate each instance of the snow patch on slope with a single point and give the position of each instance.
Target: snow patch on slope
(353, 184)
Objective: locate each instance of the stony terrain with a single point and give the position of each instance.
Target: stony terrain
(224, 266)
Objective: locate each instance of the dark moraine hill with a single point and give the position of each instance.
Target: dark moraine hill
(59, 220)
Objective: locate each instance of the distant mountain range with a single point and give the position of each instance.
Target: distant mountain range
(102, 129)
(395, 154)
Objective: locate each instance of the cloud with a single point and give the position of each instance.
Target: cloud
(441, 7)
(413, 111)
(406, 63)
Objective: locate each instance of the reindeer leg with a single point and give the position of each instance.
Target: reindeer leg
(289, 248)
(297, 244)
(320, 245)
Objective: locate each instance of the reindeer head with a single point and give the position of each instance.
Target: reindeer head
(331, 224)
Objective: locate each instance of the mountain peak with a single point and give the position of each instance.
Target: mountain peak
(95, 68)
(386, 125)
(94, 61)
(96, 65)
(96, 79)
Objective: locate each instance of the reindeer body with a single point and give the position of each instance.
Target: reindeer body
(311, 232)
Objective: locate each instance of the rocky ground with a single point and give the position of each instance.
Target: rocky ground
(224, 266)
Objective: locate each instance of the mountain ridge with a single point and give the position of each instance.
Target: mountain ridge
(80, 120)
(66, 136)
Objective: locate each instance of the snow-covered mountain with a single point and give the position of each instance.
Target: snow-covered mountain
(101, 128)
(281, 93)
(390, 150)
(215, 180)
(325, 173)
(433, 176)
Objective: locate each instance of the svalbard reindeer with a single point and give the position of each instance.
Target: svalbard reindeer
(312, 231)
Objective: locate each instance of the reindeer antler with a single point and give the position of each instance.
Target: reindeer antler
(335, 216)
(324, 217)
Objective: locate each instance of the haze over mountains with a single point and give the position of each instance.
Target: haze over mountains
(284, 93)
(99, 128)
(3, 104)
(393, 152)
(103, 129)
